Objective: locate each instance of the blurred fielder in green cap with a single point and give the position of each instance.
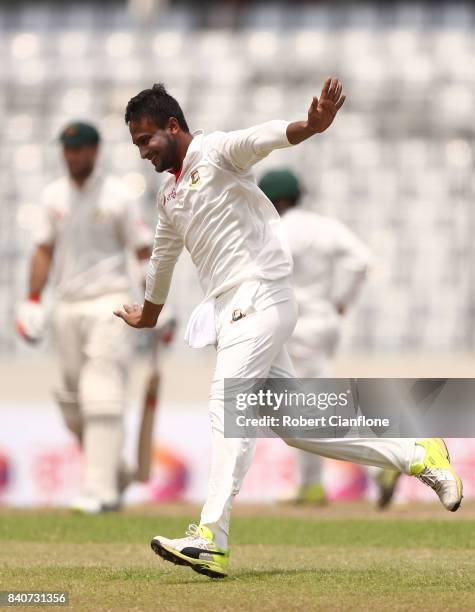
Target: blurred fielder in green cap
(80, 148)
(79, 134)
(330, 265)
(282, 188)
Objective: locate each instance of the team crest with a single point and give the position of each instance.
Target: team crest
(195, 178)
(237, 315)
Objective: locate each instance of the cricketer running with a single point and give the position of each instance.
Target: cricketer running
(210, 203)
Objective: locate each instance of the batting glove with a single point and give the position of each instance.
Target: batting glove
(30, 322)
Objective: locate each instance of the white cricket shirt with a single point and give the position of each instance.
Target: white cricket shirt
(216, 210)
(91, 229)
(330, 263)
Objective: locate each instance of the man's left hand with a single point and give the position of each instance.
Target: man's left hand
(323, 111)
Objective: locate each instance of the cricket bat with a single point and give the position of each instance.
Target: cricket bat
(145, 442)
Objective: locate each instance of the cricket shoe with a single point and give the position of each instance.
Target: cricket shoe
(386, 481)
(196, 550)
(313, 495)
(435, 471)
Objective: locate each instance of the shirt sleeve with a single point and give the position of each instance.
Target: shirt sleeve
(243, 148)
(44, 231)
(353, 260)
(167, 247)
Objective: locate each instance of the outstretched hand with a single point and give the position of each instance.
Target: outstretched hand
(132, 315)
(323, 111)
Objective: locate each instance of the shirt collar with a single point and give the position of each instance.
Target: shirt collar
(194, 149)
(176, 174)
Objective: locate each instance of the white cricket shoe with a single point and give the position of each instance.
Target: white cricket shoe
(196, 550)
(436, 471)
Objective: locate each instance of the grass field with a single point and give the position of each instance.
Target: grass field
(346, 557)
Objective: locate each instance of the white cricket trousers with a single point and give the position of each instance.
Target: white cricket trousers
(253, 347)
(94, 349)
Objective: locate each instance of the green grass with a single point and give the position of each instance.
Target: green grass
(277, 563)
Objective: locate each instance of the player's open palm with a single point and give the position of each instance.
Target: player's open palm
(132, 315)
(322, 111)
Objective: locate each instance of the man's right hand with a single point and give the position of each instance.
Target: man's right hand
(140, 316)
(132, 315)
(30, 321)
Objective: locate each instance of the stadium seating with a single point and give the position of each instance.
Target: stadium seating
(397, 166)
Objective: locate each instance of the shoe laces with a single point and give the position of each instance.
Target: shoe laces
(433, 478)
(193, 531)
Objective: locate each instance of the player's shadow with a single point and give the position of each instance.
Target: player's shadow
(269, 573)
(244, 575)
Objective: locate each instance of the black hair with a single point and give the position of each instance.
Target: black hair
(158, 105)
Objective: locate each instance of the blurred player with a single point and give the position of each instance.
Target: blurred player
(330, 266)
(88, 223)
(210, 203)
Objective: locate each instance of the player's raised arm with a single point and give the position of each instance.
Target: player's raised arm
(243, 148)
(321, 113)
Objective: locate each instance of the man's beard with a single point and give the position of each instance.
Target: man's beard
(169, 158)
(81, 174)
